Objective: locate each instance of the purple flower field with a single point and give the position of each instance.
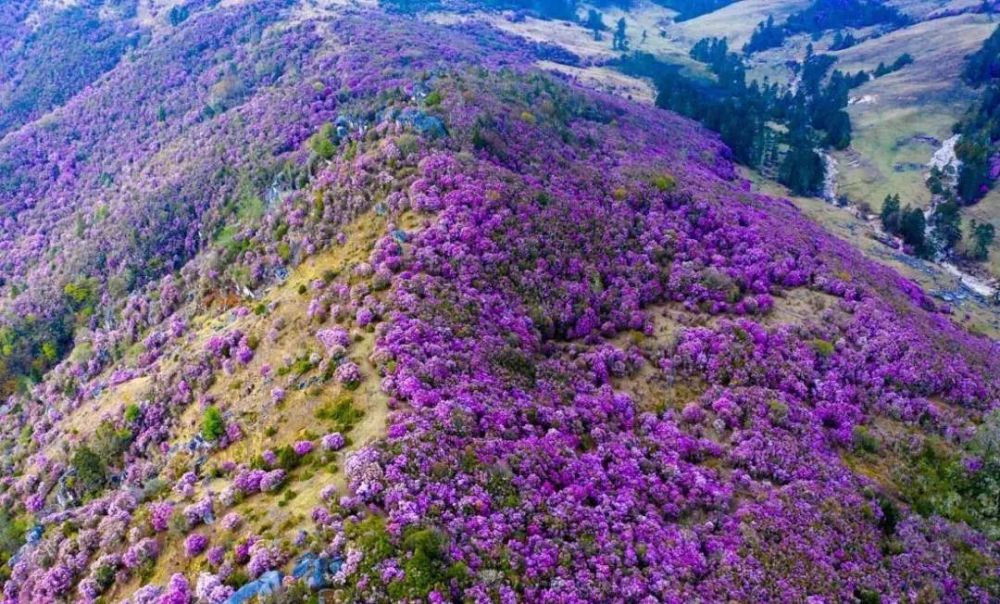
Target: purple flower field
(376, 297)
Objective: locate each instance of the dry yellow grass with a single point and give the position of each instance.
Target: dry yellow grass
(644, 17)
(83, 421)
(246, 396)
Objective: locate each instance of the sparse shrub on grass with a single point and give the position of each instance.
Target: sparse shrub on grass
(301, 365)
(322, 143)
(91, 471)
(213, 426)
(153, 488)
(237, 579)
(132, 413)
(286, 497)
(109, 442)
(433, 99)
(341, 413)
(864, 440)
(288, 459)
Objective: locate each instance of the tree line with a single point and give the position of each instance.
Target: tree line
(980, 127)
(759, 119)
(945, 233)
(822, 16)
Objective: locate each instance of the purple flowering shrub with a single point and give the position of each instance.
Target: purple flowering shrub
(334, 340)
(348, 374)
(544, 440)
(211, 590)
(142, 553)
(333, 441)
(76, 43)
(160, 514)
(195, 544)
(503, 443)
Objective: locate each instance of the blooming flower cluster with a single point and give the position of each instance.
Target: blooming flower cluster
(333, 442)
(264, 557)
(272, 480)
(143, 552)
(231, 521)
(515, 431)
(348, 374)
(596, 390)
(195, 545)
(334, 340)
(160, 514)
(249, 482)
(199, 512)
(211, 590)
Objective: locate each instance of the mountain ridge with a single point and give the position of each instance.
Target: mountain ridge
(607, 369)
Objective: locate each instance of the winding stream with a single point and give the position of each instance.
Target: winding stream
(943, 157)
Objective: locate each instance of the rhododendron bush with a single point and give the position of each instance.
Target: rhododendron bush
(576, 313)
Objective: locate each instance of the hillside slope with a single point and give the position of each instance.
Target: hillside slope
(880, 138)
(379, 291)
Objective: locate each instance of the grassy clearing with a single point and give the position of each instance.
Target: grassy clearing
(661, 36)
(736, 21)
(647, 385)
(799, 306)
(606, 80)
(891, 147)
(312, 406)
(571, 36)
(987, 210)
(921, 9)
(901, 115)
(975, 316)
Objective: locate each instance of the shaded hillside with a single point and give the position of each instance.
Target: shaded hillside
(44, 64)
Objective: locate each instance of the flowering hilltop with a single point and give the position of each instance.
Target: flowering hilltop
(368, 304)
